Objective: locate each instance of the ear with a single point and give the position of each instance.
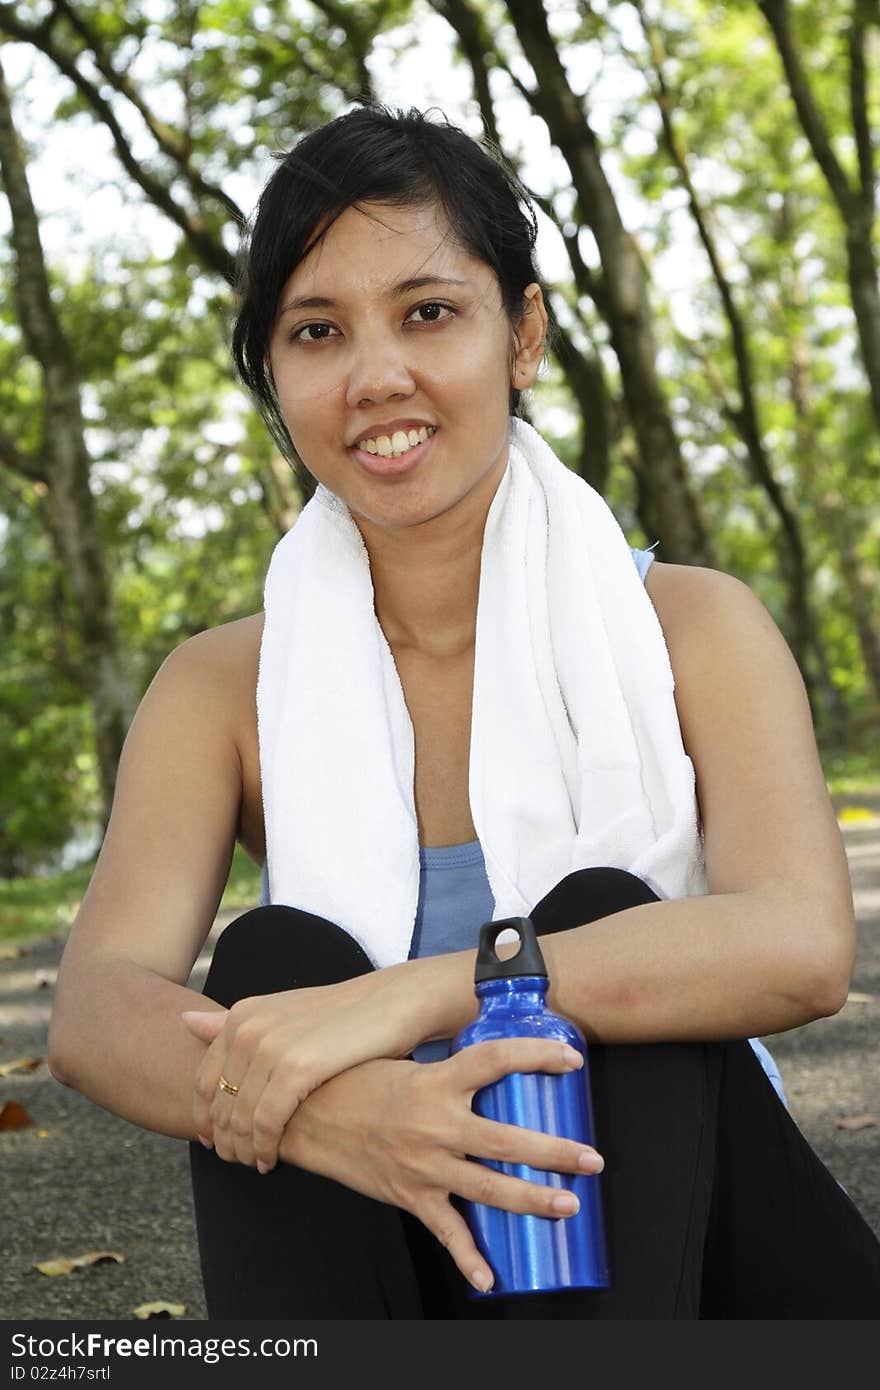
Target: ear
(529, 339)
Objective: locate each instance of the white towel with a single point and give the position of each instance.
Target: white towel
(576, 756)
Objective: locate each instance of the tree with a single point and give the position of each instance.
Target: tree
(853, 195)
(60, 465)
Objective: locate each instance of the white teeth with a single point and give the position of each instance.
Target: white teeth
(398, 443)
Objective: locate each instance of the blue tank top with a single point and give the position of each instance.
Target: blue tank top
(455, 899)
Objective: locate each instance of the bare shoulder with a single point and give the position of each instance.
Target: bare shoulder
(669, 585)
(692, 600)
(231, 649)
(177, 806)
(768, 821)
(217, 667)
(207, 672)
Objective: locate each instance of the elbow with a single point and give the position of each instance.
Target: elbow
(829, 996)
(58, 1056)
(58, 1069)
(829, 973)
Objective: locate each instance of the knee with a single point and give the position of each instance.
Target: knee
(277, 947)
(588, 894)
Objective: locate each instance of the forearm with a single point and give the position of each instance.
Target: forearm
(118, 1038)
(728, 965)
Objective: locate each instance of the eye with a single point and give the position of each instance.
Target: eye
(432, 305)
(321, 331)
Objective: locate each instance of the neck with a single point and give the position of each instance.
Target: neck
(426, 577)
(426, 583)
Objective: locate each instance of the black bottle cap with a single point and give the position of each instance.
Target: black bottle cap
(527, 961)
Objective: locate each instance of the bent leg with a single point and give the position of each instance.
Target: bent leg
(655, 1109)
(700, 1155)
(715, 1204)
(291, 1243)
(784, 1239)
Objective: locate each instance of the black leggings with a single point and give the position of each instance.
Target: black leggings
(715, 1204)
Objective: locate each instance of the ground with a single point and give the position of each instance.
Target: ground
(80, 1179)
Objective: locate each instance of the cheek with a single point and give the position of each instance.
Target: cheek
(307, 396)
(472, 371)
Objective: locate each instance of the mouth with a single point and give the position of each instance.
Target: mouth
(393, 465)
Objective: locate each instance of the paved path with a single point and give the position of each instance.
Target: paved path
(82, 1179)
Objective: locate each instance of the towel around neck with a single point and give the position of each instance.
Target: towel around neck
(576, 755)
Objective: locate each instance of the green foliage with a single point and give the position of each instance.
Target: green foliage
(48, 785)
(35, 905)
(189, 494)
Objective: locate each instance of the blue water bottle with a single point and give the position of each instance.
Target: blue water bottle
(533, 1254)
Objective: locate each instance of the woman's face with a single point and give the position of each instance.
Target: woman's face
(404, 331)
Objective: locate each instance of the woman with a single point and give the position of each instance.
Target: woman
(391, 316)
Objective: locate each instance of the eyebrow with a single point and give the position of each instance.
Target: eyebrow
(416, 283)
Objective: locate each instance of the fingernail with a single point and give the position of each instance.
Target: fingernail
(481, 1281)
(207, 1143)
(566, 1204)
(573, 1057)
(591, 1162)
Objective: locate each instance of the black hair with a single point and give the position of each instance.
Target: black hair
(376, 153)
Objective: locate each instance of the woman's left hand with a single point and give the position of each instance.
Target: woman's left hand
(278, 1048)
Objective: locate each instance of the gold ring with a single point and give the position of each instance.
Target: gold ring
(227, 1086)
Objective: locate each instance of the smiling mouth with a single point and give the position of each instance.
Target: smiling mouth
(396, 444)
(384, 465)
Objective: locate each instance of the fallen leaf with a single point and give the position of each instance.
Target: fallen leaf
(14, 1116)
(159, 1310)
(855, 1121)
(44, 978)
(855, 998)
(851, 815)
(20, 1064)
(42, 1134)
(67, 1264)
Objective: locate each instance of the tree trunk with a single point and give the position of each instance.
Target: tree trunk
(830, 507)
(669, 507)
(64, 467)
(855, 205)
(801, 629)
(582, 371)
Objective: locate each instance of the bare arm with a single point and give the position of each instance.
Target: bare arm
(772, 945)
(116, 1032)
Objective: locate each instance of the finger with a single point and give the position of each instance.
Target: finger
(278, 1102)
(482, 1063)
(235, 1047)
(453, 1233)
(270, 1116)
(244, 1108)
(205, 1026)
(206, 1083)
(205, 1089)
(221, 1123)
(476, 1182)
(516, 1144)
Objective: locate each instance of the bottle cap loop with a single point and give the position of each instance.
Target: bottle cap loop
(527, 961)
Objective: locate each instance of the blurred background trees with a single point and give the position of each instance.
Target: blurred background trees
(706, 175)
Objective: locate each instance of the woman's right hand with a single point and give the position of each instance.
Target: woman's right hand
(413, 1128)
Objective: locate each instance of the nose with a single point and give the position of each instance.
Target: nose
(378, 371)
